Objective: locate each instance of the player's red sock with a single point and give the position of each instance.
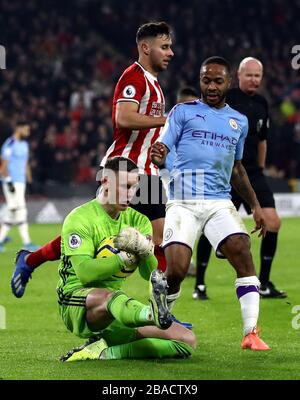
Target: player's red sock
(49, 252)
(160, 255)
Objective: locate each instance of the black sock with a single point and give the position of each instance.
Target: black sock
(203, 254)
(267, 252)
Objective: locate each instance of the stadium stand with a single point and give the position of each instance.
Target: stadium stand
(63, 60)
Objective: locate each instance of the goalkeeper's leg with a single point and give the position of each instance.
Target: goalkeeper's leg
(148, 348)
(103, 306)
(149, 342)
(118, 342)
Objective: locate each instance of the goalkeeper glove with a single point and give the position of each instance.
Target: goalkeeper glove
(10, 185)
(131, 240)
(128, 259)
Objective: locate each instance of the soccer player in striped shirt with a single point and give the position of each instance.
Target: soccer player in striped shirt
(138, 116)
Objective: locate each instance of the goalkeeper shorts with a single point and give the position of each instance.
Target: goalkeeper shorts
(73, 312)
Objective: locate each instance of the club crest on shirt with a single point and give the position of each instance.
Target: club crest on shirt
(168, 234)
(233, 123)
(74, 241)
(157, 109)
(129, 92)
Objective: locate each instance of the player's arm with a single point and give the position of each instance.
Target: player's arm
(28, 173)
(147, 266)
(95, 270)
(92, 270)
(4, 168)
(169, 136)
(78, 244)
(239, 177)
(158, 154)
(262, 153)
(241, 183)
(6, 177)
(128, 117)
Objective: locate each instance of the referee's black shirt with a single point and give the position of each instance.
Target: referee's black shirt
(257, 111)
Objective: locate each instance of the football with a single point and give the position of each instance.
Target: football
(107, 249)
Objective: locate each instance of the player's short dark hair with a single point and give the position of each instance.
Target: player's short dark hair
(187, 91)
(153, 29)
(117, 164)
(217, 60)
(120, 164)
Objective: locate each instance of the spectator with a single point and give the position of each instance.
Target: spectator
(60, 71)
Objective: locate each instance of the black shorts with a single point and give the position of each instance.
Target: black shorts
(150, 198)
(261, 189)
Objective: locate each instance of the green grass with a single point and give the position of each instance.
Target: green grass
(35, 336)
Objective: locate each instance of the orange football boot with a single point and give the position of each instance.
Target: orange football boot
(253, 342)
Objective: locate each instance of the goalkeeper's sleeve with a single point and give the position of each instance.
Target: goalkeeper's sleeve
(93, 270)
(147, 265)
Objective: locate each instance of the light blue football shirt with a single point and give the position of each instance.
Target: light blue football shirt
(170, 159)
(207, 141)
(16, 152)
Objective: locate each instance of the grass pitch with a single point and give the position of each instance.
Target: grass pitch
(35, 336)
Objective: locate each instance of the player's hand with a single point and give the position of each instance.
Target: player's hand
(260, 223)
(132, 241)
(11, 187)
(158, 153)
(128, 259)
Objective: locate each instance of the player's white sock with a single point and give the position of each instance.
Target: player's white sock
(5, 228)
(248, 295)
(24, 233)
(171, 298)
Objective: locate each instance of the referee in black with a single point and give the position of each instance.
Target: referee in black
(246, 100)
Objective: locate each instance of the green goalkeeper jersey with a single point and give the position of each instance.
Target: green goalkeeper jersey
(82, 232)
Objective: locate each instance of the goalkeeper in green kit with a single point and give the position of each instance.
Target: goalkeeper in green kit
(91, 302)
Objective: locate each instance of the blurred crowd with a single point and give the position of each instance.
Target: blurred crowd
(64, 58)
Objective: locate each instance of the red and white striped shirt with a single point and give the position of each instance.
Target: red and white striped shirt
(137, 85)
